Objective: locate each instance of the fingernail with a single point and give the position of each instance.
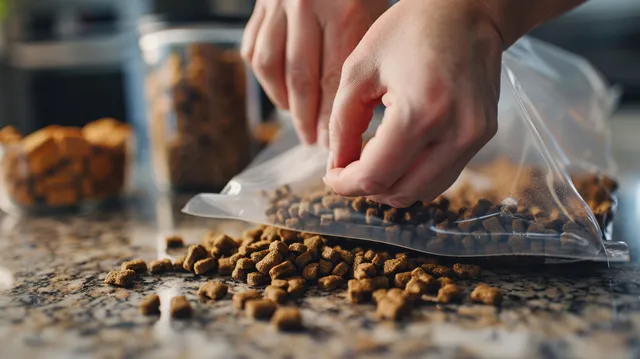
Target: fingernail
(330, 161)
(323, 138)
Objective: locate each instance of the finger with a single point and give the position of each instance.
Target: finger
(251, 32)
(269, 54)
(339, 42)
(357, 95)
(303, 68)
(398, 143)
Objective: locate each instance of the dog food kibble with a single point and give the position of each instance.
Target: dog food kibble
(204, 266)
(449, 293)
(259, 308)
(330, 283)
(275, 294)
(486, 295)
(213, 290)
(150, 305)
(120, 278)
(239, 299)
(195, 253)
(287, 319)
(159, 266)
(464, 271)
(174, 241)
(300, 261)
(257, 279)
(136, 265)
(180, 308)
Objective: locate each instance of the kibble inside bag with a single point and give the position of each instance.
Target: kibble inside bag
(544, 186)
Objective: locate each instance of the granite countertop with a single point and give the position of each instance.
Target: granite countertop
(53, 302)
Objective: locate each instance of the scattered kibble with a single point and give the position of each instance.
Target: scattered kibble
(150, 305)
(136, 265)
(174, 241)
(159, 266)
(259, 308)
(449, 293)
(120, 278)
(180, 308)
(204, 266)
(213, 290)
(486, 295)
(464, 271)
(287, 319)
(240, 299)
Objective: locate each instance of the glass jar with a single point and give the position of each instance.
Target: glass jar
(202, 104)
(58, 168)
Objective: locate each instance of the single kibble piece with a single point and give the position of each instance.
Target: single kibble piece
(213, 290)
(304, 259)
(150, 305)
(467, 270)
(325, 267)
(295, 287)
(180, 308)
(310, 272)
(280, 247)
(314, 243)
(365, 270)
(257, 279)
(341, 269)
(158, 266)
(178, 265)
(275, 294)
(136, 265)
(393, 266)
(282, 270)
(486, 295)
(174, 241)
(359, 291)
(429, 280)
(269, 261)
(379, 259)
(258, 256)
(120, 278)
(330, 283)
(401, 279)
(239, 299)
(204, 266)
(287, 236)
(245, 264)
(417, 287)
(280, 283)
(390, 309)
(287, 319)
(239, 274)
(449, 293)
(347, 257)
(330, 254)
(259, 308)
(195, 253)
(369, 255)
(225, 266)
(437, 270)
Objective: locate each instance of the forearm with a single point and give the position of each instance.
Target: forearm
(514, 18)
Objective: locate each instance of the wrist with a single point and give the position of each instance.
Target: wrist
(513, 19)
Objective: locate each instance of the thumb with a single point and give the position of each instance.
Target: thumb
(357, 96)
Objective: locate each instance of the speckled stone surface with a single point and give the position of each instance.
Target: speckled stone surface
(53, 304)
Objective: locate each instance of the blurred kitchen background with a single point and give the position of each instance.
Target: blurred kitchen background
(71, 61)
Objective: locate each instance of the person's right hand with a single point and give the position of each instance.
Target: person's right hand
(296, 49)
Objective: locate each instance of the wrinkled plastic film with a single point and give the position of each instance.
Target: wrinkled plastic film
(532, 191)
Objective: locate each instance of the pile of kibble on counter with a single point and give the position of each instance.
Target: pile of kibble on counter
(283, 265)
(60, 166)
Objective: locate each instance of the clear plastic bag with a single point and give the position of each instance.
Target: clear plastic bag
(542, 187)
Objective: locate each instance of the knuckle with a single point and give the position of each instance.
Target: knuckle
(301, 4)
(349, 73)
(300, 81)
(263, 63)
(331, 79)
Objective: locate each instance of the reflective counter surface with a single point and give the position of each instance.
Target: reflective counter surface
(53, 303)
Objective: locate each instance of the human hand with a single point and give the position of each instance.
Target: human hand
(296, 49)
(435, 65)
